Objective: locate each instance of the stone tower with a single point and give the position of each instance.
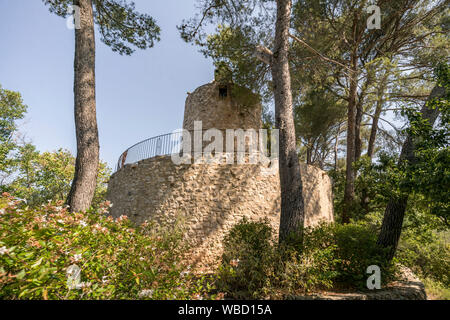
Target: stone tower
(222, 106)
(213, 197)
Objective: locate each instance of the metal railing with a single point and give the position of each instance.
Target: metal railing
(165, 144)
(162, 145)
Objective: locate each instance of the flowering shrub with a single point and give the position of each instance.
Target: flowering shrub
(42, 250)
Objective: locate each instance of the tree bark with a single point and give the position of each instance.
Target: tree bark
(292, 206)
(395, 210)
(349, 191)
(376, 116)
(359, 116)
(309, 153)
(336, 144)
(374, 129)
(365, 200)
(358, 120)
(84, 182)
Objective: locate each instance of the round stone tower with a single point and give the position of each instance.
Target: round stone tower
(222, 105)
(211, 197)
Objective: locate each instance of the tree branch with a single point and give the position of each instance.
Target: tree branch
(264, 54)
(321, 56)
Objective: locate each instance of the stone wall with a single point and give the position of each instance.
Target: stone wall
(211, 198)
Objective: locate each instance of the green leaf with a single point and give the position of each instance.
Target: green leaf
(37, 263)
(21, 274)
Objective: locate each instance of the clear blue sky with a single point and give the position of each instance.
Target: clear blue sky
(137, 97)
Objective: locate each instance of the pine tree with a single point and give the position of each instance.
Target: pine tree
(121, 28)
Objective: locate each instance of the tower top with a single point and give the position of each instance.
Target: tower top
(222, 105)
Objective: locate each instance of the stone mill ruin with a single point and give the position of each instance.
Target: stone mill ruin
(210, 196)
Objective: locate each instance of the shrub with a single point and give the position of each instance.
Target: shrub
(117, 260)
(354, 248)
(255, 267)
(308, 271)
(247, 261)
(435, 290)
(427, 254)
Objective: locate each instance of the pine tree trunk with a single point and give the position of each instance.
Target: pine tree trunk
(292, 207)
(365, 201)
(376, 116)
(374, 129)
(358, 141)
(309, 154)
(349, 191)
(84, 182)
(395, 210)
(336, 144)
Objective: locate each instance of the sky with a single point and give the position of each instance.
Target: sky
(138, 96)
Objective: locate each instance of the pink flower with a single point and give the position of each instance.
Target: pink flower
(234, 262)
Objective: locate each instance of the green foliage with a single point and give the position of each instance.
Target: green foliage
(311, 269)
(117, 261)
(253, 266)
(427, 254)
(234, 49)
(11, 110)
(47, 176)
(247, 261)
(429, 174)
(29, 174)
(353, 248)
(424, 243)
(425, 247)
(435, 291)
(317, 113)
(318, 116)
(120, 25)
(376, 182)
(426, 179)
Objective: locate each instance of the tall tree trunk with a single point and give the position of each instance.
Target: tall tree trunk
(349, 191)
(359, 116)
(84, 182)
(358, 120)
(292, 206)
(309, 153)
(365, 201)
(374, 129)
(336, 144)
(376, 116)
(395, 210)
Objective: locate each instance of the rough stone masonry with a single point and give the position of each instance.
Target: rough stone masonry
(213, 197)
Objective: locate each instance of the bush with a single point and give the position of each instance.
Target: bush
(353, 248)
(427, 254)
(248, 260)
(253, 266)
(117, 261)
(435, 290)
(311, 270)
